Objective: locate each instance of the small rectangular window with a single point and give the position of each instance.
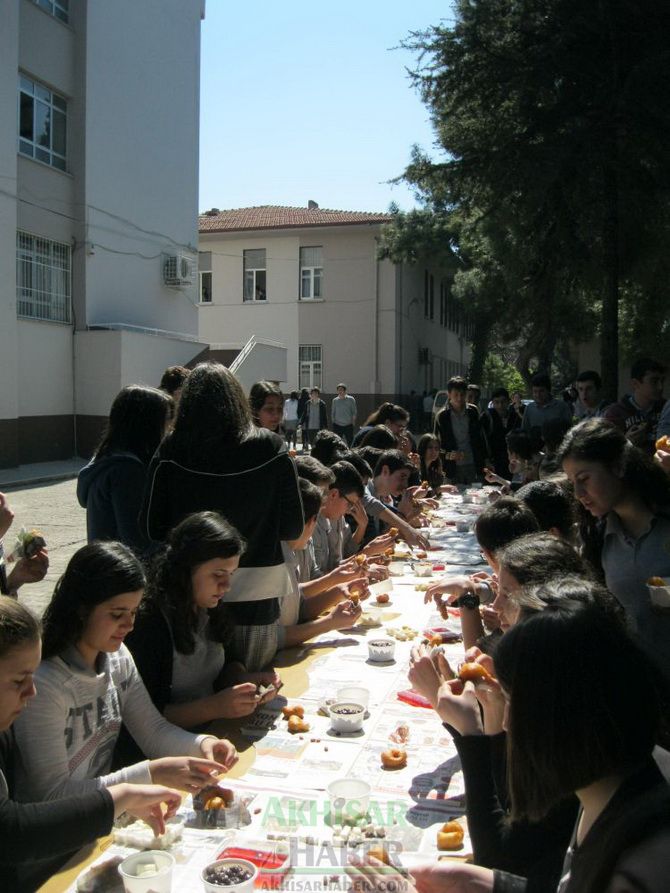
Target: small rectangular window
(310, 371)
(254, 284)
(43, 278)
(59, 9)
(311, 273)
(42, 124)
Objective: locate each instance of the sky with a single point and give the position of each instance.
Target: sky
(309, 100)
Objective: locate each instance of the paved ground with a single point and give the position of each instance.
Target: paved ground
(53, 508)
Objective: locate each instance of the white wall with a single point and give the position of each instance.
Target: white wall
(8, 141)
(45, 368)
(142, 109)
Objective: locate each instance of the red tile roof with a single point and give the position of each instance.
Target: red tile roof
(281, 217)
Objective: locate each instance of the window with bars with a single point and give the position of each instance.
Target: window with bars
(310, 372)
(59, 9)
(255, 275)
(42, 124)
(205, 276)
(43, 278)
(311, 273)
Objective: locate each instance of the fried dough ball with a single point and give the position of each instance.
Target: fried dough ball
(394, 758)
(297, 724)
(450, 836)
(296, 710)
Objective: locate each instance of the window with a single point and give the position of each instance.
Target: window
(311, 273)
(205, 276)
(254, 275)
(309, 363)
(42, 124)
(431, 300)
(443, 304)
(57, 8)
(43, 278)
(425, 293)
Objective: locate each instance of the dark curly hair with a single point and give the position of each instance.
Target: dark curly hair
(94, 574)
(200, 537)
(18, 626)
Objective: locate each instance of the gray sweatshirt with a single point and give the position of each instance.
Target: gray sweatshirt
(66, 737)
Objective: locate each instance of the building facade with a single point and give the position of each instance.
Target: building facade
(99, 104)
(310, 279)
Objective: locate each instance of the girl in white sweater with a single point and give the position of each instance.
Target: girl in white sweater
(88, 685)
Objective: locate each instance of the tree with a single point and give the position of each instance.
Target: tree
(554, 119)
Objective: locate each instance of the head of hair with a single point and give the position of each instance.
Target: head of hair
(347, 479)
(328, 447)
(541, 380)
(642, 365)
(387, 412)
(425, 441)
(359, 463)
(520, 443)
(200, 537)
(433, 473)
(536, 597)
(394, 460)
(584, 703)
(94, 574)
(174, 378)
(314, 471)
(539, 557)
(551, 504)
(136, 423)
(370, 455)
(597, 440)
(18, 626)
(304, 392)
(381, 437)
(590, 375)
(500, 392)
(341, 385)
(213, 410)
(258, 393)
(312, 498)
(553, 432)
(503, 521)
(474, 387)
(294, 395)
(457, 384)
(315, 390)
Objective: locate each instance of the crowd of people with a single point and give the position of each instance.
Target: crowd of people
(213, 544)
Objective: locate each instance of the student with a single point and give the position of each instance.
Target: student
(302, 615)
(303, 400)
(172, 382)
(625, 506)
(88, 685)
(24, 570)
(389, 487)
(601, 751)
(553, 432)
(290, 419)
(637, 414)
(380, 437)
(461, 438)
(552, 505)
(328, 447)
(497, 422)
(314, 417)
(343, 413)
(182, 627)
(38, 837)
(394, 417)
(216, 460)
(543, 407)
(110, 487)
(331, 531)
(473, 395)
(267, 405)
(589, 404)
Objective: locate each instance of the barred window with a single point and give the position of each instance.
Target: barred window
(310, 370)
(43, 278)
(59, 9)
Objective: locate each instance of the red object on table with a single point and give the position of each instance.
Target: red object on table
(438, 567)
(267, 861)
(409, 696)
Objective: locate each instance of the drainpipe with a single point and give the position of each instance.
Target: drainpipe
(375, 326)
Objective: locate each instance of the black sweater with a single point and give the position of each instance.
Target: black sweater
(36, 838)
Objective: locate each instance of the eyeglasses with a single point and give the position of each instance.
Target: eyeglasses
(349, 502)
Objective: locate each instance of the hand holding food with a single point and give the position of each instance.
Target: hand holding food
(237, 700)
(151, 803)
(220, 749)
(185, 773)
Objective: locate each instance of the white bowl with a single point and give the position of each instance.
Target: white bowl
(381, 649)
(356, 693)
(349, 799)
(241, 887)
(660, 596)
(423, 568)
(397, 568)
(350, 721)
(135, 881)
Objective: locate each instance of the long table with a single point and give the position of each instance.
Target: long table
(283, 776)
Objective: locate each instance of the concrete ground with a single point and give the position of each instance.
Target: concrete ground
(51, 507)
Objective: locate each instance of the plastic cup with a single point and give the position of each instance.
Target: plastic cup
(355, 693)
(349, 799)
(381, 649)
(134, 871)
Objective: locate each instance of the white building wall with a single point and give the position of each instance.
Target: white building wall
(141, 177)
(45, 369)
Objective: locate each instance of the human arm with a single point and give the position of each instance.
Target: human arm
(316, 605)
(229, 703)
(405, 530)
(372, 876)
(28, 570)
(126, 493)
(346, 572)
(342, 616)
(6, 515)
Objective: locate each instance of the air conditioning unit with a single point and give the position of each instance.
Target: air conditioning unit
(178, 269)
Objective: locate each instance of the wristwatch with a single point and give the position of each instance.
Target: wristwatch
(469, 600)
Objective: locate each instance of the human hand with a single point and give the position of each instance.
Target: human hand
(185, 773)
(452, 877)
(379, 544)
(346, 572)
(265, 677)
(637, 434)
(150, 802)
(221, 750)
(448, 488)
(663, 459)
(369, 875)
(28, 570)
(6, 515)
(456, 704)
(490, 618)
(413, 538)
(493, 478)
(415, 459)
(423, 674)
(488, 693)
(344, 615)
(237, 700)
(358, 513)
(377, 572)
(446, 591)
(409, 504)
